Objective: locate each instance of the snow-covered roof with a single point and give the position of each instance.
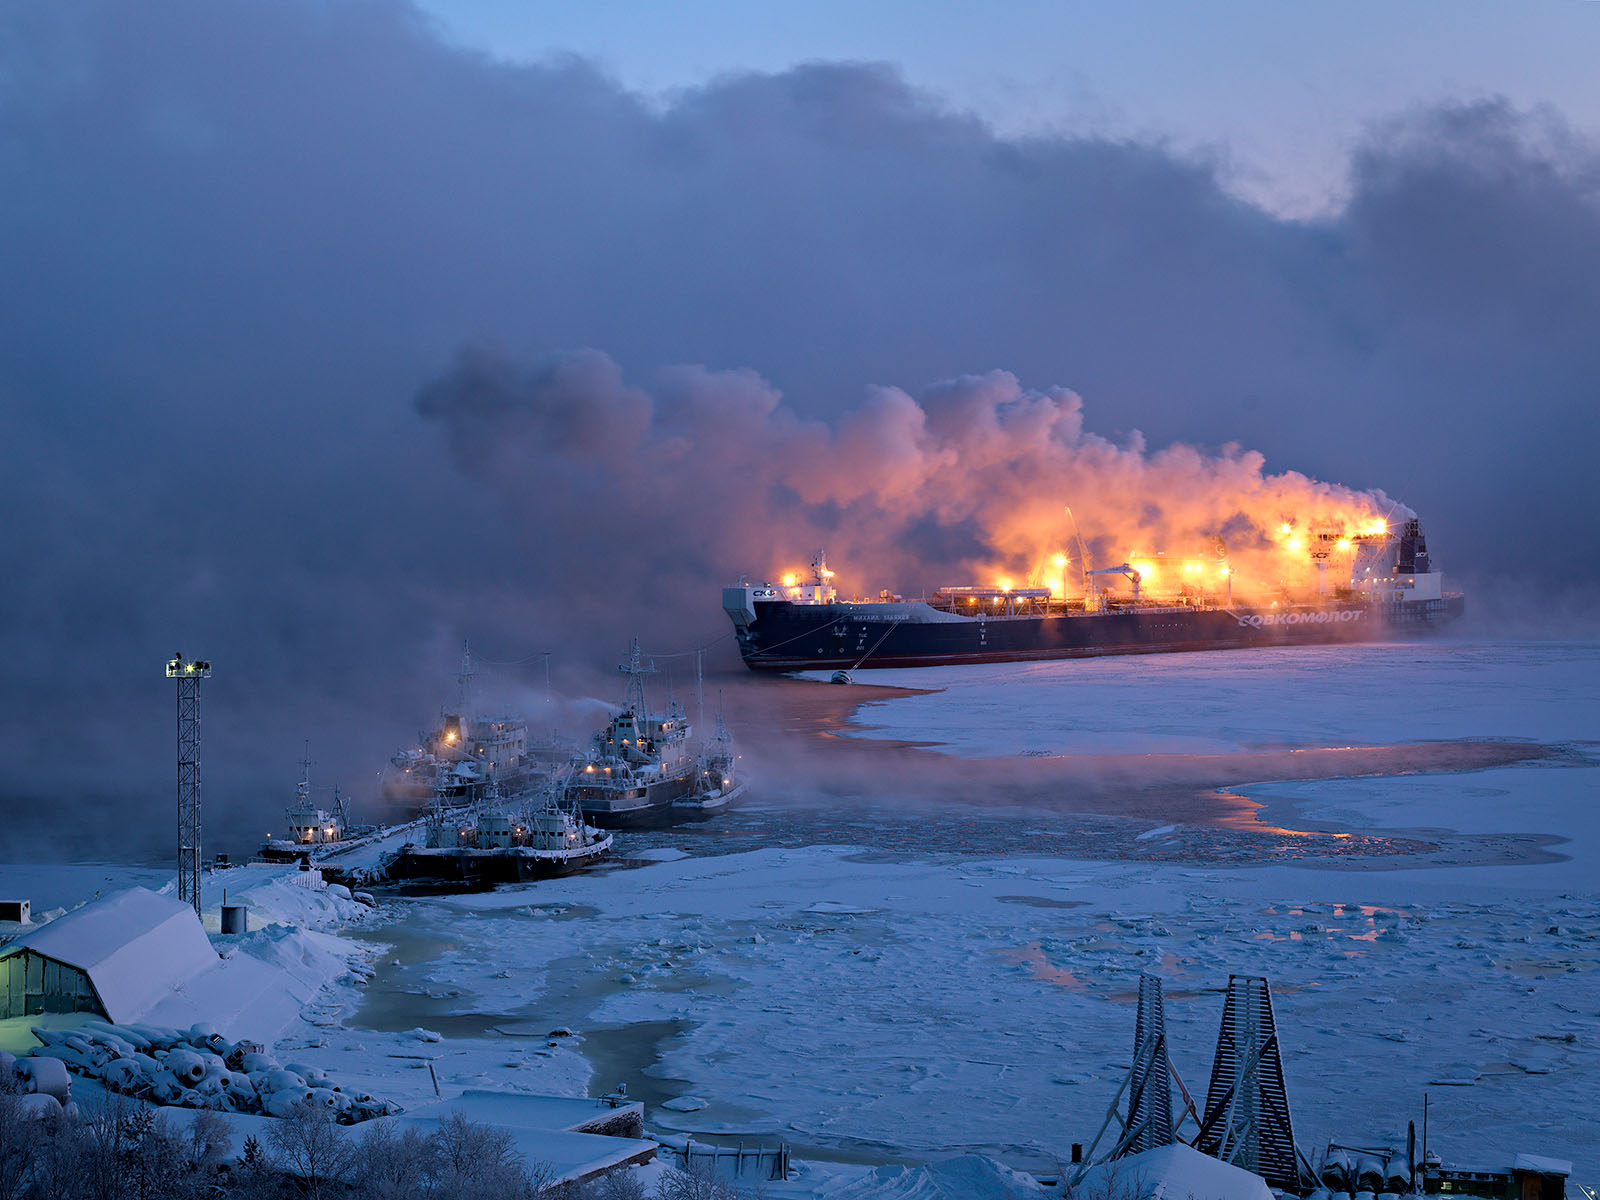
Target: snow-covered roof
(1175, 1172)
(136, 946)
(1541, 1165)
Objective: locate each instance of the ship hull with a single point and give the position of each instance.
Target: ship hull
(487, 867)
(650, 807)
(792, 637)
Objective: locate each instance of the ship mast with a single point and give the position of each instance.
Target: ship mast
(634, 669)
(699, 686)
(304, 786)
(464, 680)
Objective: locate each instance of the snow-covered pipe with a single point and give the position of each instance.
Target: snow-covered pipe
(45, 1077)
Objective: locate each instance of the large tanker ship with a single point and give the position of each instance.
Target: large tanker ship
(1391, 588)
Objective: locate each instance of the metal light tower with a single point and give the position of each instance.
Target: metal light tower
(188, 673)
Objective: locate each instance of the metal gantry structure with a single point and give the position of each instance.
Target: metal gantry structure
(1150, 1088)
(1246, 1118)
(1150, 1122)
(188, 673)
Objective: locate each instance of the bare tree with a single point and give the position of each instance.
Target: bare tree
(1118, 1181)
(19, 1144)
(209, 1144)
(620, 1184)
(697, 1181)
(61, 1152)
(312, 1149)
(396, 1165)
(99, 1133)
(479, 1160)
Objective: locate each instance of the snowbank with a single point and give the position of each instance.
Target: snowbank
(967, 1177)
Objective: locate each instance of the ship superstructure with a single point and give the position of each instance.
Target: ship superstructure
(639, 765)
(311, 830)
(465, 753)
(1391, 587)
(720, 784)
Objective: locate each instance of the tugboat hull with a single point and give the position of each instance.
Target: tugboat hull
(651, 807)
(488, 867)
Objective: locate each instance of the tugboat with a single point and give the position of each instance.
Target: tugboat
(493, 842)
(639, 766)
(719, 786)
(312, 831)
(464, 754)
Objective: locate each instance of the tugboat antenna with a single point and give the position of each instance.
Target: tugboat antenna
(699, 686)
(305, 774)
(464, 678)
(634, 669)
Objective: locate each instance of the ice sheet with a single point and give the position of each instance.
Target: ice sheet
(1208, 702)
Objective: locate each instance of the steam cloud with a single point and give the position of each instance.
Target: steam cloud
(710, 474)
(239, 238)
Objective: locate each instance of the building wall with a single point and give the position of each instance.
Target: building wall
(31, 984)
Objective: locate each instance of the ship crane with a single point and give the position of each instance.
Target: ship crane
(1121, 569)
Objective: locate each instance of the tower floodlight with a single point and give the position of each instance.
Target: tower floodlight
(188, 673)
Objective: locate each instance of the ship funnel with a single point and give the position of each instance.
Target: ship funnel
(1413, 556)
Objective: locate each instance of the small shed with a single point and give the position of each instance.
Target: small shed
(116, 957)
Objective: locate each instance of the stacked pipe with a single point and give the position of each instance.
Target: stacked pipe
(198, 1068)
(1362, 1175)
(44, 1083)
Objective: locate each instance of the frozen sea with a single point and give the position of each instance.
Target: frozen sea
(888, 983)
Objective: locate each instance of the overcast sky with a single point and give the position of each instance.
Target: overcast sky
(1279, 93)
(327, 340)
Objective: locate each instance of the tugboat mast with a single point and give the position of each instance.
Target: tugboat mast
(636, 672)
(464, 679)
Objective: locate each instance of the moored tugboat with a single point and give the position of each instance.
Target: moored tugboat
(639, 766)
(493, 842)
(467, 753)
(719, 786)
(312, 831)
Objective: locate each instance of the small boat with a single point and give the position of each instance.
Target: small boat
(639, 766)
(719, 786)
(313, 832)
(493, 842)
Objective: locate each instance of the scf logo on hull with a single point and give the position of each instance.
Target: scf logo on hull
(1257, 620)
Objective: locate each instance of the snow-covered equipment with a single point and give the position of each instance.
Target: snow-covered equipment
(44, 1077)
(193, 1068)
(1175, 1172)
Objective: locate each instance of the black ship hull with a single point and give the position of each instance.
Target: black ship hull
(649, 807)
(477, 868)
(791, 637)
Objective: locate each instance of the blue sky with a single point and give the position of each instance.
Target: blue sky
(1280, 91)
